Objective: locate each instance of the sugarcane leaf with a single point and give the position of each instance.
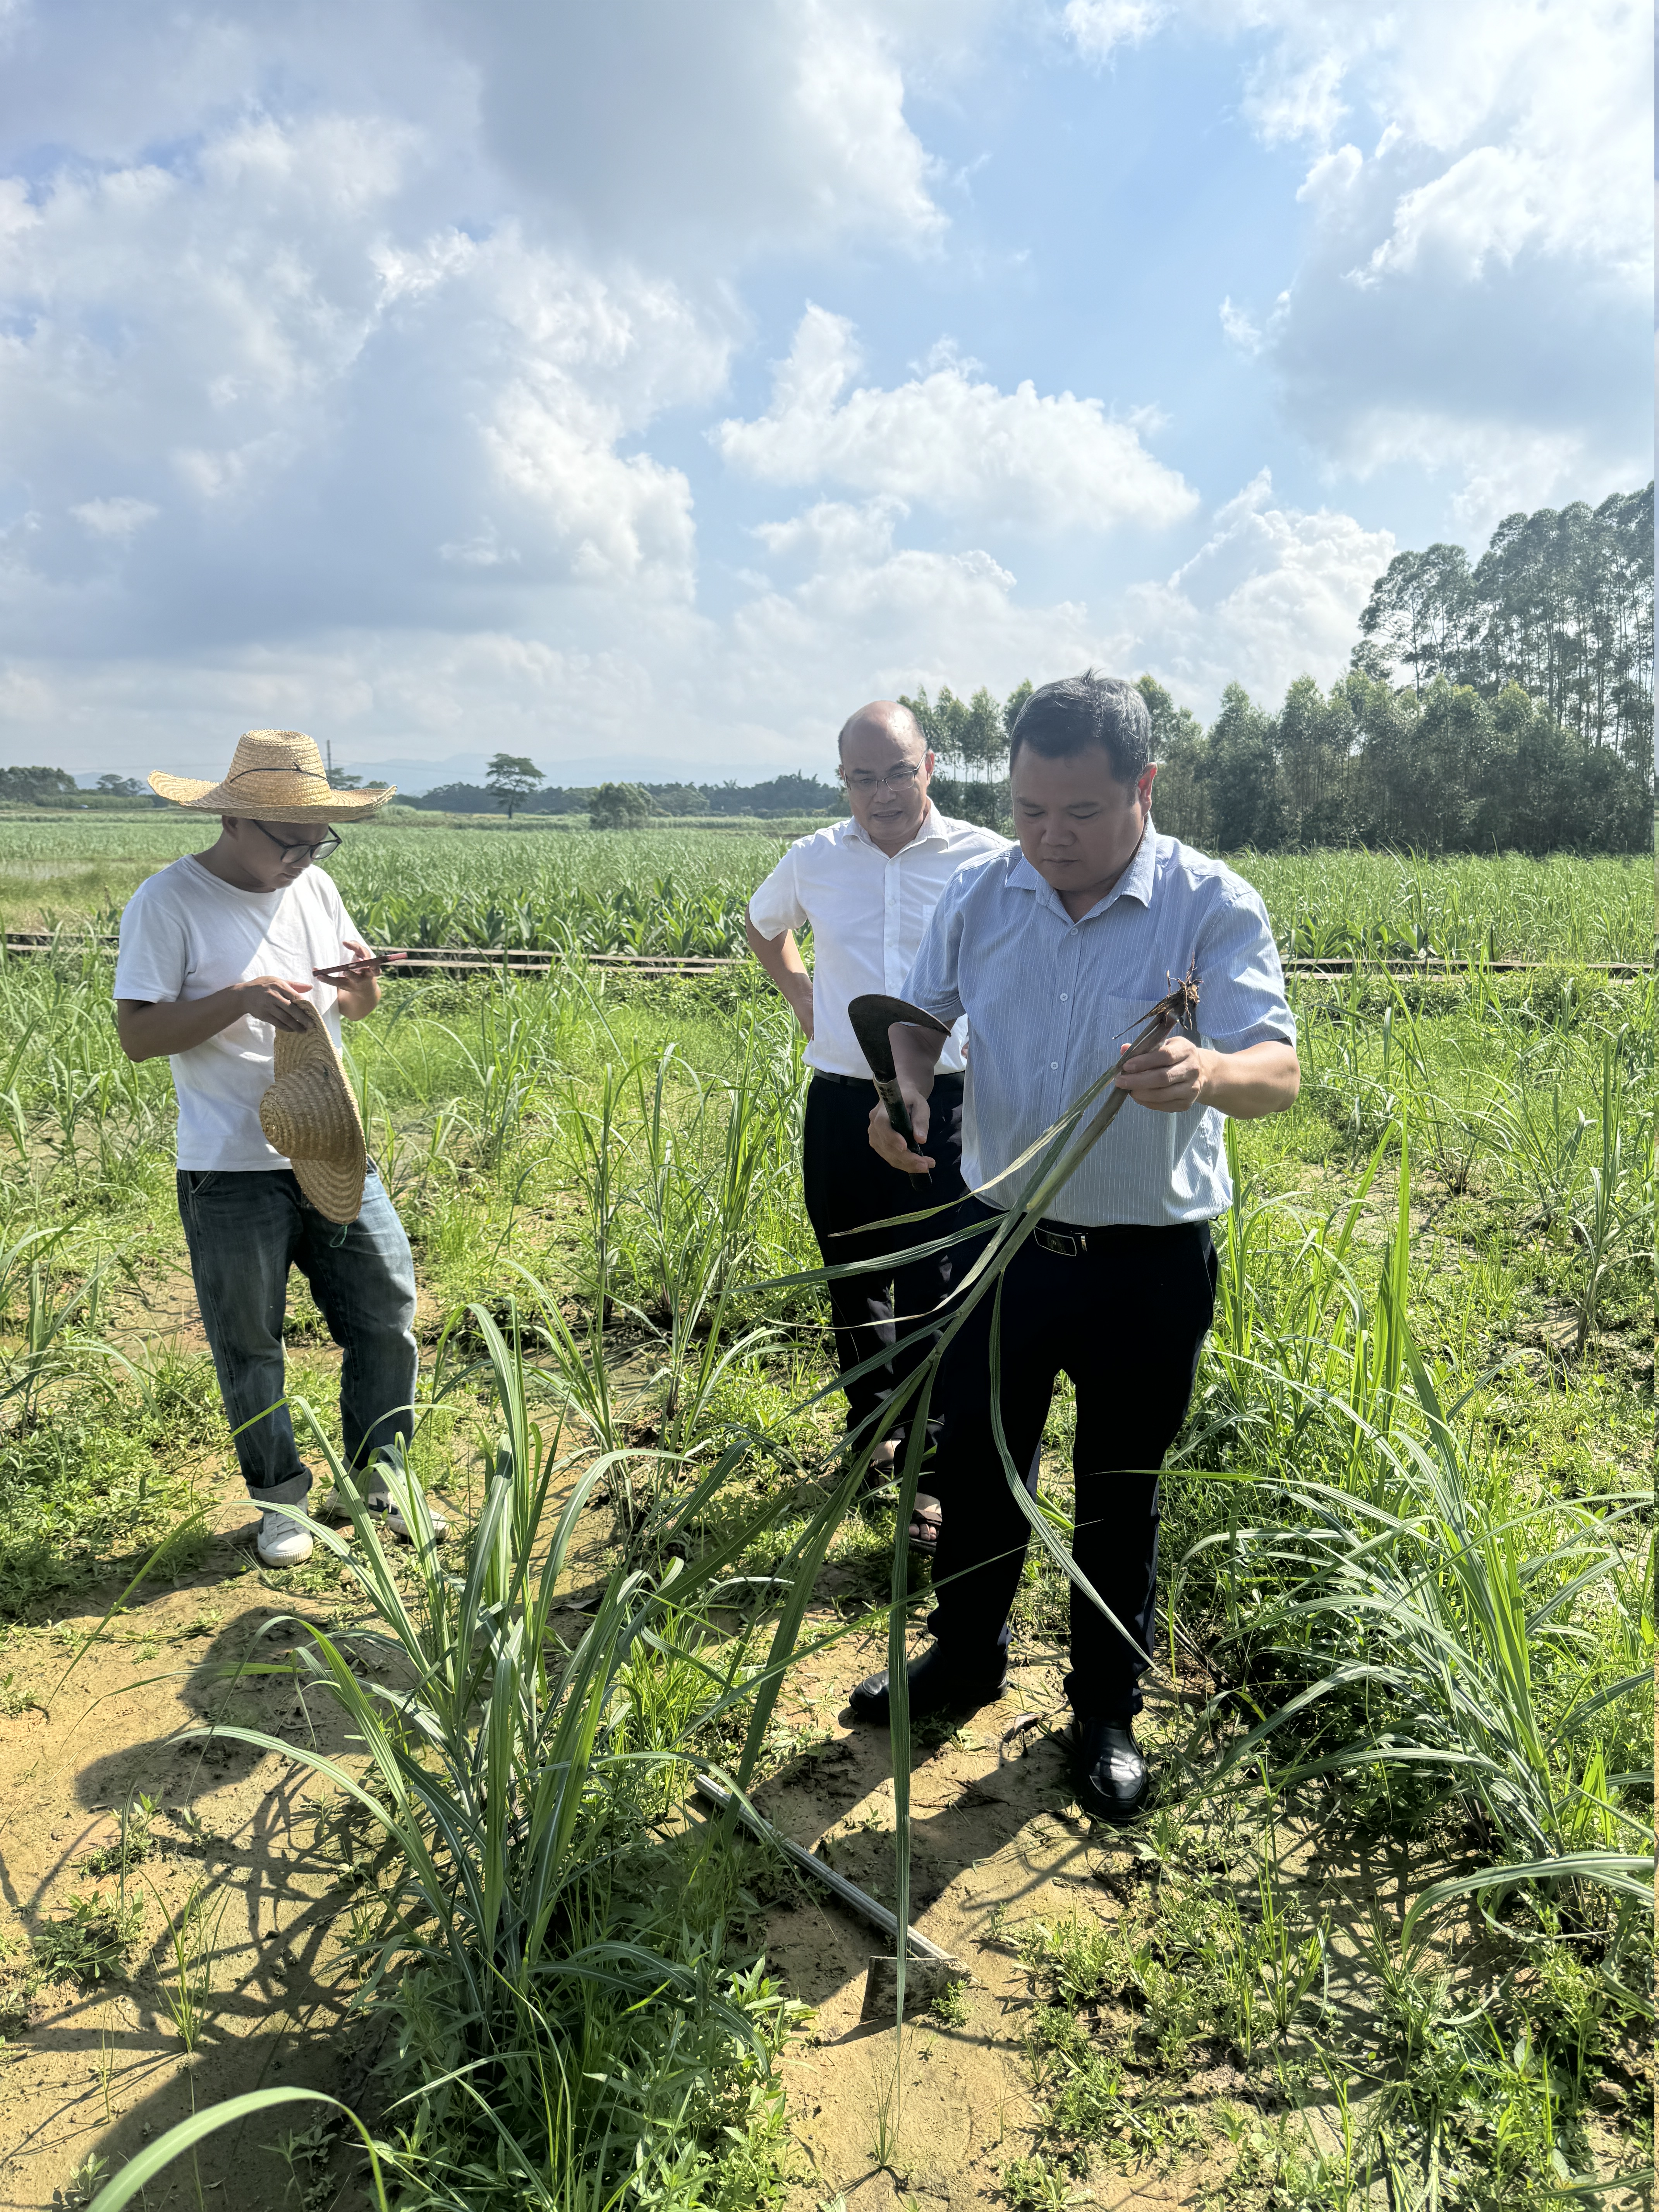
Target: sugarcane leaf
(140, 2171)
(1628, 1876)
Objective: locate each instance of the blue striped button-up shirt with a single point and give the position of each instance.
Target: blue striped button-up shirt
(1050, 1003)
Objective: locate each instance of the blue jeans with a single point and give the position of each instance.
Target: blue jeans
(245, 1230)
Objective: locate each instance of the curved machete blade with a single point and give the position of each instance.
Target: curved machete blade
(872, 1014)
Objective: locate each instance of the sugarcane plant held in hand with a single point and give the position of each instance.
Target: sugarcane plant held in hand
(1057, 1154)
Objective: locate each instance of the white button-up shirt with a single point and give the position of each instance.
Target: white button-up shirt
(867, 914)
(1054, 999)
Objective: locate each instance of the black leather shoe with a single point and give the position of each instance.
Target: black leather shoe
(1108, 1771)
(937, 1685)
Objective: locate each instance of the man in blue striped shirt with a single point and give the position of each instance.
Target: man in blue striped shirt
(1054, 953)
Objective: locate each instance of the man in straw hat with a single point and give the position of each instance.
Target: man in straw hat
(239, 963)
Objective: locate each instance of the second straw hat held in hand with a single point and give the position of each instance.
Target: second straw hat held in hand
(310, 1116)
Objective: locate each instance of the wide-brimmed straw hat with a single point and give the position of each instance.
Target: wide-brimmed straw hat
(310, 1116)
(277, 775)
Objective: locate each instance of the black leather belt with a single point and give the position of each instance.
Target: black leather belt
(1067, 1243)
(867, 1082)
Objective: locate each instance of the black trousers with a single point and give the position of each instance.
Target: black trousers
(848, 1184)
(1125, 1320)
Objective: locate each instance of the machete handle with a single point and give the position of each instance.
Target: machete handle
(898, 1115)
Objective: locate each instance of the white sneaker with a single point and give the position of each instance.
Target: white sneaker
(384, 1508)
(282, 1542)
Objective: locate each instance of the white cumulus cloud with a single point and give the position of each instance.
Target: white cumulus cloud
(864, 618)
(1467, 283)
(1097, 25)
(1274, 594)
(269, 359)
(1023, 460)
(716, 130)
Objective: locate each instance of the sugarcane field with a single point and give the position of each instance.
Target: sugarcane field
(514, 1842)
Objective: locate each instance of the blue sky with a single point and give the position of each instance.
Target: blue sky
(643, 388)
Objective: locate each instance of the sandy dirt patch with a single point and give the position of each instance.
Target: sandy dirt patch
(243, 1868)
(931, 2114)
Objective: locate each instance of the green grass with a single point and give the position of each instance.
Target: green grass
(94, 1483)
(653, 890)
(530, 883)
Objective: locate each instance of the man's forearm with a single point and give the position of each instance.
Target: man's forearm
(170, 1025)
(1263, 1080)
(915, 1057)
(781, 958)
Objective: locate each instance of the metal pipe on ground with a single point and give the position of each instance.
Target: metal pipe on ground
(928, 1970)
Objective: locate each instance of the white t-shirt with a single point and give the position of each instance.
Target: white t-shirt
(185, 934)
(867, 913)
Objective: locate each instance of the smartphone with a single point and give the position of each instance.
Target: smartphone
(350, 970)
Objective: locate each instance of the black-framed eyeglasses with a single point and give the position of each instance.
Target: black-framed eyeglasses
(901, 778)
(326, 844)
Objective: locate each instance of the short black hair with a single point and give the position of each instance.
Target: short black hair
(1090, 710)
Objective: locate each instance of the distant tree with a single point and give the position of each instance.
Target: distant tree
(1243, 773)
(474, 798)
(454, 799)
(1181, 803)
(970, 738)
(620, 806)
(677, 797)
(967, 734)
(1314, 737)
(28, 786)
(513, 779)
(121, 787)
(1560, 603)
(1369, 659)
(781, 794)
(1423, 611)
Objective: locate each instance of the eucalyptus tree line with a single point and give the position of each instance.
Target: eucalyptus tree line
(1365, 763)
(970, 737)
(1560, 602)
(1506, 706)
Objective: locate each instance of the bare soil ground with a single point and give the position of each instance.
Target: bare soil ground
(100, 2070)
(931, 2114)
(927, 2116)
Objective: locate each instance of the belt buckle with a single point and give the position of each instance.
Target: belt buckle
(1057, 1241)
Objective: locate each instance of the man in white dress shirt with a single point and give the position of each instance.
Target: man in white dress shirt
(866, 888)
